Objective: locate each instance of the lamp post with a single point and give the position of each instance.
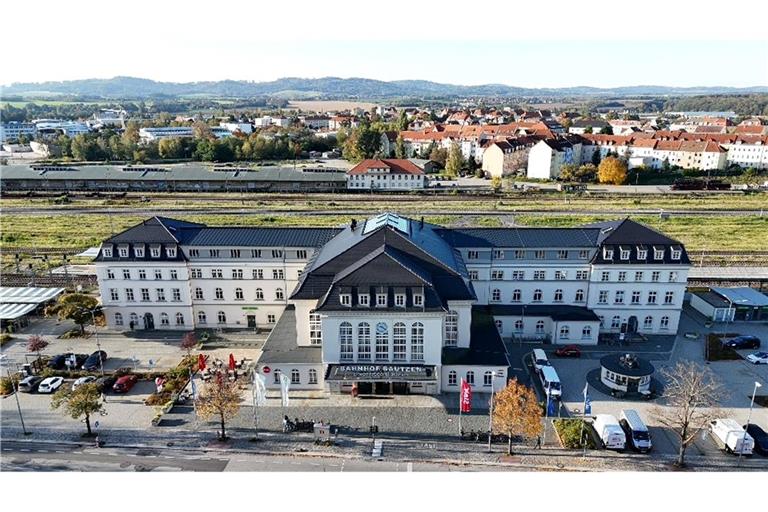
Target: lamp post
(749, 418)
(96, 332)
(18, 404)
(490, 412)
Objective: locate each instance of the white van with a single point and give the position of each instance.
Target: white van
(539, 359)
(638, 436)
(550, 382)
(732, 435)
(609, 431)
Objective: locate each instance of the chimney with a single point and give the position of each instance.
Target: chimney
(353, 224)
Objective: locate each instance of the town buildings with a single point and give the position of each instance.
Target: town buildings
(391, 304)
(386, 174)
(547, 157)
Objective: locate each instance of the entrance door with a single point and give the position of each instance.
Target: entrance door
(252, 321)
(632, 325)
(382, 388)
(632, 385)
(400, 388)
(149, 321)
(364, 388)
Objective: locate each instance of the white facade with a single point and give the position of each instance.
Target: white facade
(386, 181)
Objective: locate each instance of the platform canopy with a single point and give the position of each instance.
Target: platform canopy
(743, 296)
(27, 295)
(13, 311)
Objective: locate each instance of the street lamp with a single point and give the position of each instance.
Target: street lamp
(490, 412)
(18, 404)
(749, 417)
(96, 332)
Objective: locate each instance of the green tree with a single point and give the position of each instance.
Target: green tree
(455, 161)
(85, 401)
(568, 172)
(439, 155)
(169, 148)
(400, 147)
(402, 121)
(596, 157)
(75, 307)
(606, 130)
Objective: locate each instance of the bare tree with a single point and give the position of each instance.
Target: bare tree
(693, 394)
(37, 343)
(188, 342)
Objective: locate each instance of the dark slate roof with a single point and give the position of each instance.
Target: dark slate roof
(627, 233)
(281, 346)
(486, 347)
(613, 362)
(332, 301)
(712, 299)
(154, 230)
(260, 237)
(556, 312)
(520, 237)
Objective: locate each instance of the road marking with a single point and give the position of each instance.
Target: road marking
(296, 463)
(342, 466)
(24, 450)
(315, 464)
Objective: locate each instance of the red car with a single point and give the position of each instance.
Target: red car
(568, 351)
(124, 383)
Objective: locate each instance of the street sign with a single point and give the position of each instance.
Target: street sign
(266, 369)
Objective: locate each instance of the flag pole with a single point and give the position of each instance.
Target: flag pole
(584, 419)
(461, 405)
(546, 420)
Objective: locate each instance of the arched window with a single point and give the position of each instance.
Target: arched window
(179, 319)
(452, 378)
(517, 295)
(118, 319)
(279, 294)
(664, 322)
(345, 341)
(222, 318)
(558, 295)
(417, 342)
(312, 376)
(471, 378)
(219, 294)
(579, 296)
(540, 327)
(518, 326)
(201, 318)
(199, 294)
(164, 319)
(363, 341)
(488, 379)
(499, 326)
(496, 295)
(537, 294)
(259, 294)
(602, 321)
(451, 329)
(565, 332)
(239, 294)
(586, 332)
(616, 322)
(648, 322)
(399, 344)
(134, 319)
(295, 376)
(382, 342)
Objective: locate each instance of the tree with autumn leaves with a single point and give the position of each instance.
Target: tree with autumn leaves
(612, 171)
(220, 399)
(517, 412)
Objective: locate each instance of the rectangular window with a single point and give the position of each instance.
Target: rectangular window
(258, 273)
(582, 275)
(363, 299)
(255, 253)
(142, 274)
(110, 273)
(113, 295)
(669, 298)
(638, 276)
(635, 297)
(270, 319)
(170, 252)
(217, 273)
(158, 274)
(473, 255)
(619, 297)
(345, 299)
(160, 295)
(651, 297)
(562, 255)
(155, 251)
(418, 299)
(194, 253)
(498, 254)
(561, 275)
(315, 329)
(583, 255)
(301, 254)
(145, 294)
(622, 276)
(129, 295)
(237, 273)
(123, 251)
(176, 294)
(381, 300)
(400, 300)
(602, 297)
(655, 276)
(539, 275)
(197, 273)
(234, 253)
(174, 274)
(277, 273)
(214, 253)
(673, 277)
(518, 275)
(605, 276)
(539, 255)
(107, 252)
(473, 275)
(277, 253)
(497, 275)
(519, 255)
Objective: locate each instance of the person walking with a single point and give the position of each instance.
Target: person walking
(538, 443)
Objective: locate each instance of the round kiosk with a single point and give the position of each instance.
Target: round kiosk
(626, 373)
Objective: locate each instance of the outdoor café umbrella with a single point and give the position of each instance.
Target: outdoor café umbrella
(232, 362)
(200, 362)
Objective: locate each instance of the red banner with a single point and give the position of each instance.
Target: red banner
(465, 396)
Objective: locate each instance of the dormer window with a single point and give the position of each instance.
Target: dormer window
(607, 253)
(170, 252)
(676, 253)
(138, 250)
(418, 299)
(194, 253)
(400, 300)
(154, 251)
(107, 251)
(519, 255)
(381, 300)
(658, 253)
(122, 251)
(642, 253)
(346, 299)
(539, 255)
(498, 254)
(473, 255)
(363, 299)
(624, 253)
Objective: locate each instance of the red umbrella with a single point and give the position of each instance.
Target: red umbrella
(232, 362)
(200, 362)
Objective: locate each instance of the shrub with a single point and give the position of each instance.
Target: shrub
(570, 431)
(716, 351)
(7, 385)
(5, 338)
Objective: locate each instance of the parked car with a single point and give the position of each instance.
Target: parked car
(539, 359)
(761, 438)
(50, 385)
(746, 341)
(758, 358)
(105, 383)
(30, 384)
(79, 360)
(124, 383)
(568, 351)
(637, 434)
(57, 361)
(95, 360)
(610, 432)
(732, 435)
(83, 380)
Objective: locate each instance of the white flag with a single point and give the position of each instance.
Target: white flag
(586, 389)
(285, 385)
(259, 389)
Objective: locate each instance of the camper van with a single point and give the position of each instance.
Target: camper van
(539, 359)
(609, 431)
(732, 435)
(550, 382)
(638, 437)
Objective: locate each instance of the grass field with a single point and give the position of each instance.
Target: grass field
(747, 233)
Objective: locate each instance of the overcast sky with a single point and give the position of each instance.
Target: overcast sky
(253, 41)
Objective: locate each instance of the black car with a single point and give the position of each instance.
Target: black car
(57, 362)
(740, 342)
(105, 383)
(95, 360)
(760, 437)
(79, 360)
